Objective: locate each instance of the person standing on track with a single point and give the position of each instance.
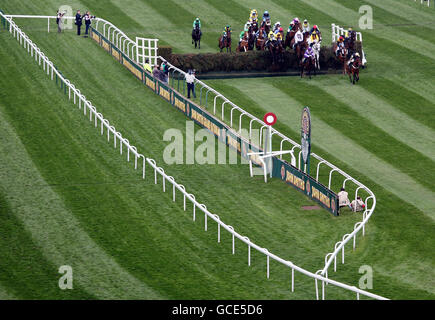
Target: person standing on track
(87, 17)
(59, 21)
(190, 80)
(78, 22)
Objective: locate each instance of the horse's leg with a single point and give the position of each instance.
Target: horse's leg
(199, 43)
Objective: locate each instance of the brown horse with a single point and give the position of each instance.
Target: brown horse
(266, 26)
(276, 49)
(225, 41)
(353, 70)
(259, 44)
(300, 47)
(254, 25)
(244, 44)
(349, 42)
(251, 38)
(308, 65)
(342, 56)
(290, 35)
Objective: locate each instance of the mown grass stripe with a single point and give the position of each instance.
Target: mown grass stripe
(405, 11)
(403, 39)
(25, 273)
(43, 212)
(335, 142)
(385, 20)
(384, 116)
(415, 105)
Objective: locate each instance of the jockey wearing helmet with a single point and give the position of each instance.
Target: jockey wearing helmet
(349, 32)
(296, 20)
(309, 53)
(314, 38)
(276, 27)
(253, 16)
(227, 29)
(197, 23)
(305, 26)
(316, 28)
(266, 16)
(247, 26)
(299, 38)
(353, 58)
(291, 26)
(340, 44)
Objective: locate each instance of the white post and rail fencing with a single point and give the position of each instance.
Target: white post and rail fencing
(140, 162)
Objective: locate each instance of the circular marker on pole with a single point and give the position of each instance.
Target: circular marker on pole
(269, 118)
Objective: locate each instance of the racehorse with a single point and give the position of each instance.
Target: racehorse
(254, 25)
(225, 41)
(243, 45)
(316, 49)
(342, 56)
(308, 66)
(349, 42)
(276, 49)
(252, 37)
(299, 48)
(290, 35)
(259, 43)
(196, 36)
(266, 26)
(353, 70)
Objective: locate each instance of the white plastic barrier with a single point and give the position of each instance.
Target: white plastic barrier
(95, 116)
(422, 2)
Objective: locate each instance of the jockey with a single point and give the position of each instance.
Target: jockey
(348, 32)
(291, 26)
(226, 29)
(340, 44)
(266, 16)
(299, 38)
(316, 28)
(242, 35)
(276, 27)
(309, 53)
(278, 35)
(305, 26)
(314, 38)
(197, 23)
(271, 36)
(253, 16)
(247, 25)
(296, 20)
(353, 58)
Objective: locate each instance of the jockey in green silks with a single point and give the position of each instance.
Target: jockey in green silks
(197, 23)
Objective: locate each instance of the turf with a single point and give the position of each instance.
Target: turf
(109, 222)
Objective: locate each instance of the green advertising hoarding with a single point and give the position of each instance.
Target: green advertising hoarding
(305, 184)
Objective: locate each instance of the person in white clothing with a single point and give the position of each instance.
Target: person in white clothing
(343, 199)
(190, 80)
(299, 37)
(358, 205)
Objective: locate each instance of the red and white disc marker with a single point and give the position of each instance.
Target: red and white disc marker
(269, 118)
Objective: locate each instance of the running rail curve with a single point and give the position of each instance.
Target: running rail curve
(48, 66)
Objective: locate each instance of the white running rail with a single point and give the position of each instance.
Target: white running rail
(320, 275)
(422, 2)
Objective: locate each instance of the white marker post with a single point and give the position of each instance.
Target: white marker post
(270, 119)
